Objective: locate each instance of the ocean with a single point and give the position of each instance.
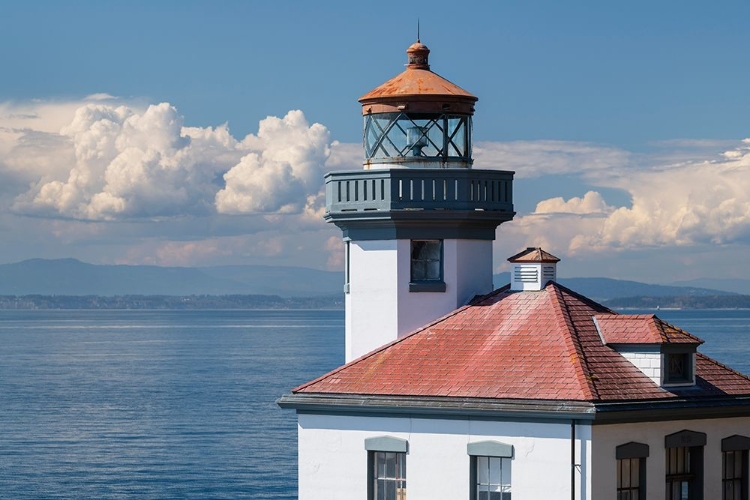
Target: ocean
(181, 404)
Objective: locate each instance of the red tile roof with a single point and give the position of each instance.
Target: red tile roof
(641, 329)
(515, 345)
(533, 254)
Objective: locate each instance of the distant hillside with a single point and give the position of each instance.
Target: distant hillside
(728, 285)
(73, 277)
(682, 302)
(602, 289)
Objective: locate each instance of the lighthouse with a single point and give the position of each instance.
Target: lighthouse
(418, 221)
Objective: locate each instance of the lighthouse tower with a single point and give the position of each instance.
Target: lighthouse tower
(418, 221)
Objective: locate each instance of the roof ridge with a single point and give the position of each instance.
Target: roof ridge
(585, 299)
(581, 368)
(679, 330)
(385, 346)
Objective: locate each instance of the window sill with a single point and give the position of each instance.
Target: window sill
(427, 286)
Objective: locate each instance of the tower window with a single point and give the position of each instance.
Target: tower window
(426, 266)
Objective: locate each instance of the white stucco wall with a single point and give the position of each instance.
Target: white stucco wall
(607, 437)
(647, 361)
(333, 459)
(379, 305)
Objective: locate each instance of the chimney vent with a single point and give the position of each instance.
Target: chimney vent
(532, 269)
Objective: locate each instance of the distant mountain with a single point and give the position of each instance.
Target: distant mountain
(728, 285)
(73, 277)
(603, 289)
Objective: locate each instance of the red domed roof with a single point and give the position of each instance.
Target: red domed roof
(417, 84)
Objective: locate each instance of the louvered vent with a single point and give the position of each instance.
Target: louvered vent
(526, 274)
(548, 273)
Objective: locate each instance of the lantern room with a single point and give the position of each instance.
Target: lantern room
(417, 119)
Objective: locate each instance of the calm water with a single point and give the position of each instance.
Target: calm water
(181, 404)
(156, 404)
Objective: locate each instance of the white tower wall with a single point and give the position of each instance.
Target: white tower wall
(379, 306)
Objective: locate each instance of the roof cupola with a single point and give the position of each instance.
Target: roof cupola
(532, 269)
(418, 54)
(418, 119)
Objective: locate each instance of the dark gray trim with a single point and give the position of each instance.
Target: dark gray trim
(389, 189)
(425, 225)
(685, 438)
(427, 286)
(735, 443)
(673, 409)
(679, 348)
(435, 407)
(631, 450)
(511, 410)
(386, 443)
(490, 449)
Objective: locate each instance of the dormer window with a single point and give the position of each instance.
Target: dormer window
(678, 368)
(663, 352)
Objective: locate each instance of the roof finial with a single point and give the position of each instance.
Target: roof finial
(418, 29)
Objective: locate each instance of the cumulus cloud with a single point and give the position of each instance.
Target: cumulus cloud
(702, 202)
(591, 203)
(111, 161)
(285, 165)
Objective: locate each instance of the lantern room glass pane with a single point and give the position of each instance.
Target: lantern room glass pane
(407, 136)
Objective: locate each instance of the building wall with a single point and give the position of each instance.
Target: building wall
(380, 308)
(647, 361)
(333, 459)
(607, 437)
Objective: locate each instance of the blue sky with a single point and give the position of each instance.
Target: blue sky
(642, 104)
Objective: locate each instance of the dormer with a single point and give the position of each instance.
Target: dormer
(664, 353)
(532, 269)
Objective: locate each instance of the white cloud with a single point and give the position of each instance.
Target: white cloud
(531, 159)
(285, 166)
(591, 203)
(691, 203)
(112, 161)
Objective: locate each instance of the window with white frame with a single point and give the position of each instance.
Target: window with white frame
(386, 465)
(491, 464)
(389, 475)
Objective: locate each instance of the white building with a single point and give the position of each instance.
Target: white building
(452, 390)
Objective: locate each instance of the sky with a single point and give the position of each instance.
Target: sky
(197, 133)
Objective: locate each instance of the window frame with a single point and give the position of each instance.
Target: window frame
(690, 445)
(738, 446)
(386, 445)
(490, 450)
(430, 284)
(687, 378)
(347, 265)
(635, 453)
